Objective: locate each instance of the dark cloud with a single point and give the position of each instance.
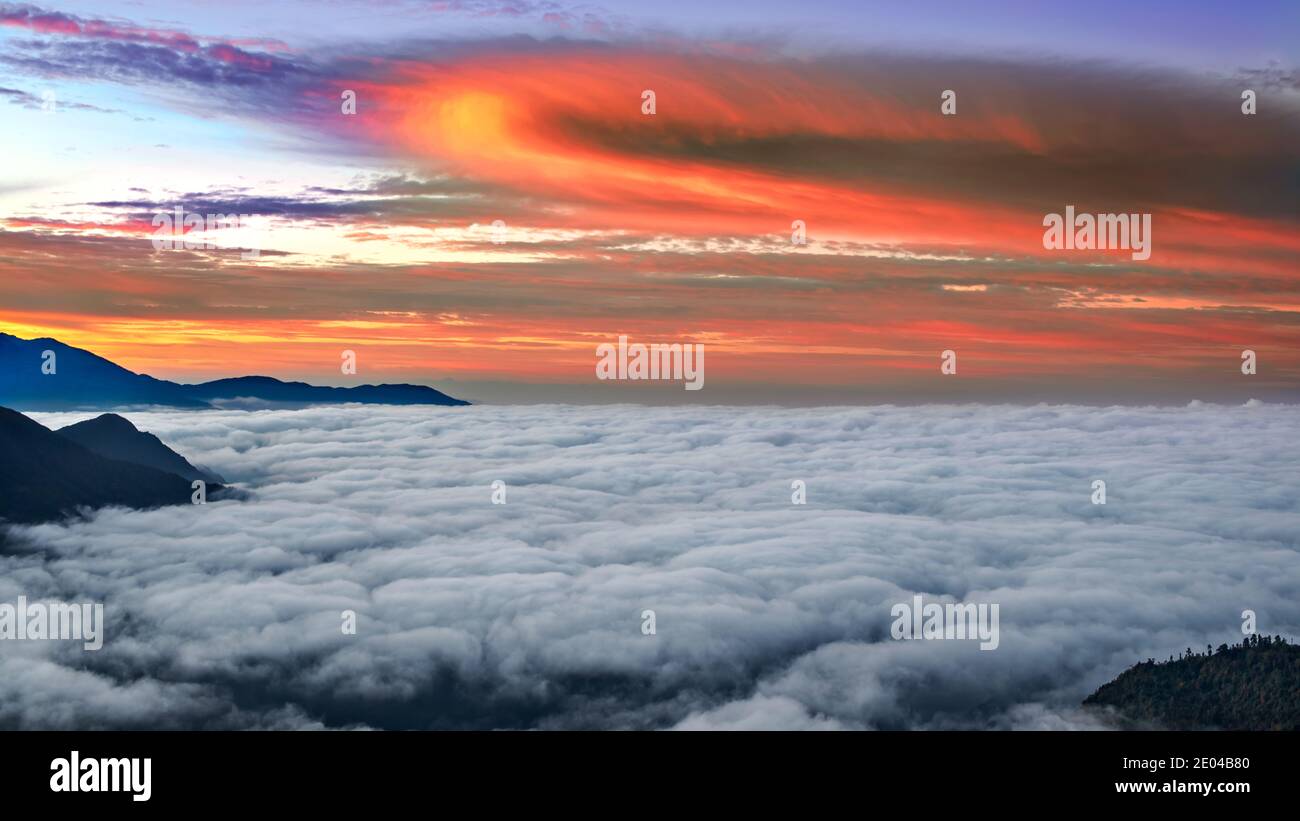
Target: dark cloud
(1098, 133)
(387, 201)
(149, 64)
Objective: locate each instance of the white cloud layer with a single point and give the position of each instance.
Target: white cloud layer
(769, 615)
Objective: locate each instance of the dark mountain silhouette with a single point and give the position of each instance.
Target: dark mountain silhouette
(1249, 686)
(113, 437)
(273, 390)
(46, 476)
(80, 379)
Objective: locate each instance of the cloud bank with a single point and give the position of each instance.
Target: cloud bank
(768, 614)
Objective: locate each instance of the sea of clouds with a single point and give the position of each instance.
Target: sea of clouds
(768, 614)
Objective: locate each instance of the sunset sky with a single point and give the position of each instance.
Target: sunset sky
(924, 231)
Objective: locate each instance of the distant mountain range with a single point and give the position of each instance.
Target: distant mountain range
(1248, 686)
(46, 475)
(77, 378)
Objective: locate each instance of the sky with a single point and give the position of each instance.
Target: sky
(924, 231)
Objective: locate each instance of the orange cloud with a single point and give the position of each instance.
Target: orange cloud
(569, 127)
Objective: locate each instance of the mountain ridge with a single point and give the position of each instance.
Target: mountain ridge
(1247, 686)
(83, 379)
(115, 437)
(46, 477)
